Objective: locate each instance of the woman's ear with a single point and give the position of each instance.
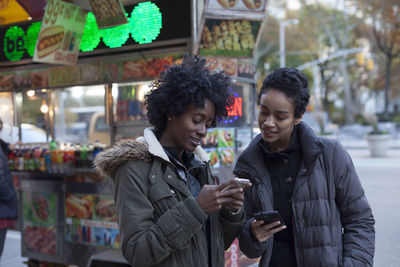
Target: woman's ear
(298, 120)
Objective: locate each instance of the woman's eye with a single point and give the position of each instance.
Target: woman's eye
(281, 118)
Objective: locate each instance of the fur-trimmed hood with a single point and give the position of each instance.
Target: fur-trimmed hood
(142, 148)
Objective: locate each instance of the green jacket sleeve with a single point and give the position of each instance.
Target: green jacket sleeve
(231, 225)
(147, 241)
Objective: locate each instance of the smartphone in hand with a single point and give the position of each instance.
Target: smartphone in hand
(269, 217)
(241, 183)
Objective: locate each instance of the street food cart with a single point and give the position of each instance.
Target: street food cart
(67, 212)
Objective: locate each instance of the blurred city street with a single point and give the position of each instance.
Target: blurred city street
(381, 181)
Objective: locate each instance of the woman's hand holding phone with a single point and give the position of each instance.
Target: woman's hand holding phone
(230, 193)
(262, 229)
(238, 197)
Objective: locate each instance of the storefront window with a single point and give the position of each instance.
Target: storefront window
(8, 133)
(31, 109)
(79, 115)
(129, 101)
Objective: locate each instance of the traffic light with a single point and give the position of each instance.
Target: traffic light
(360, 59)
(370, 64)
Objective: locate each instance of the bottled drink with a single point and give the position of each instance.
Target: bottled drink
(47, 161)
(11, 160)
(16, 158)
(27, 159)
(97, 148)
(60, 162)
(53, 158)
(90, 156)
(37, 152)
(68, 159)
(78, 163)
(42, 161)
(84, 152)
(52, 146)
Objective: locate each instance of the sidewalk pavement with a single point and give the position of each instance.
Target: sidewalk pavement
(361, 157)
(381, 181)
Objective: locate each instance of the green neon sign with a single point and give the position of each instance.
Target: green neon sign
(14, 47)
(91, 34)
(31, 36)
(116, 36)
(144, 26)
(146, 22)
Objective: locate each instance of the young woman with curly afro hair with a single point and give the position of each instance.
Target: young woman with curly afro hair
(170, 210)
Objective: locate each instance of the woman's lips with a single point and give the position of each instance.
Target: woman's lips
(269, 133)
(195, 141)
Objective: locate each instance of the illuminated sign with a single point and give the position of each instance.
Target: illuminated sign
(147, 22)
(236, 110)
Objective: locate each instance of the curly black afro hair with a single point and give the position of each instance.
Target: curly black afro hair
(292, 83)
(180, 86)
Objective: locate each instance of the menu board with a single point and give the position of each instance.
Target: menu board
(108, 13)
(60, 33)
(91, 219)
(96, 72)
(220, 145)
(230, 38)
(145, 68)
(40, 220)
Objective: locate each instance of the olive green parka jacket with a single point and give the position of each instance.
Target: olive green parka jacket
(160, 222)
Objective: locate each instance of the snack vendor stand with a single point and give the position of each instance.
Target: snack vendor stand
(67, 216)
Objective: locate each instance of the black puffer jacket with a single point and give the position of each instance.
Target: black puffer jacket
(333, 223)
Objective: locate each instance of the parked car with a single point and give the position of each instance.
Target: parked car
(32, 134)
(99, 129)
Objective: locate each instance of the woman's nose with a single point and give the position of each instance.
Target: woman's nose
(269, 121)
(202, 130)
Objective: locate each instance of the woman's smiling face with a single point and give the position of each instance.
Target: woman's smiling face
(276, 119)
(185, 131)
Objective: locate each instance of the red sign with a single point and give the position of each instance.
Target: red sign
(237, 108)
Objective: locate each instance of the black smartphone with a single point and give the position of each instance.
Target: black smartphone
(269, 217)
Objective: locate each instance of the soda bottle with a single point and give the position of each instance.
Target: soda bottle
(16, 158)
(97, 148)
(90, 156)
(47, 160)
(26, 157)
(60, 162)
(68, 159)
(53, 158)
(52, 146)
(37, 152)
(42, 161)
(78, 161)
(84, 152)
(11, 160)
